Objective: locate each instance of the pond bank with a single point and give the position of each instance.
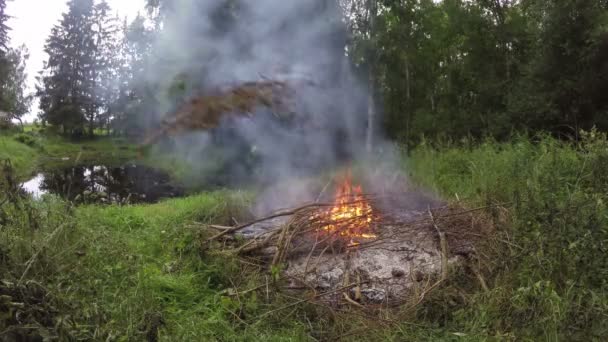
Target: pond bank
(104, 183)
(28, 151)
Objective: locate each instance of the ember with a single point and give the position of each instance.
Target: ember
(351, 216)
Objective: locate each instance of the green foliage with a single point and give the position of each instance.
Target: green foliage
(477, 68)
(13, 97)
(27, 139)
(23, 157)
(553, 283)
(74, 87)
(130, 272)
(29, 149)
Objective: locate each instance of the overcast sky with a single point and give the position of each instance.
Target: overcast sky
(32, 22)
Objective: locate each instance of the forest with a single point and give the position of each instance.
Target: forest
(311, 170)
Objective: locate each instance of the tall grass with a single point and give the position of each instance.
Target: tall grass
(553, 284)
(136, 272)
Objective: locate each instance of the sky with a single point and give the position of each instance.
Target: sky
(32, 22)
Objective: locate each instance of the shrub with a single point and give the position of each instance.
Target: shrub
(27, 139)
(553, 279)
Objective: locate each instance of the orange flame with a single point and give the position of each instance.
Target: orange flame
(351, 216)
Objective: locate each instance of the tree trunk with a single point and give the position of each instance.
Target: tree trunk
(371, 108)
(408, 94)
(408, 107)
(371, 113)
(91, 126)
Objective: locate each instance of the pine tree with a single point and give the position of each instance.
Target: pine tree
(15, 90)
(72, 87)
(5, 64)
(4, 29)
(13, 79)
(105, 67)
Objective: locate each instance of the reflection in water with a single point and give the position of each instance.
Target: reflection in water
(33, 186)
(88, 184)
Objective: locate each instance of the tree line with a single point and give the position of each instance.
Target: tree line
(451, 68)
(477, 68)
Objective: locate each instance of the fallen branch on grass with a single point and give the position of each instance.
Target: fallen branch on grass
(34, 257)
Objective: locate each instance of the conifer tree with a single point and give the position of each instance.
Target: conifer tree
(73, 85)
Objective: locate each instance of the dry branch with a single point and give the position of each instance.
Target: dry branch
(205, 112)
(302, 238)
(444, 247)
(344, 288)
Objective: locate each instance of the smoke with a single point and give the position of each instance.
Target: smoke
(265, 35)
(282, 40)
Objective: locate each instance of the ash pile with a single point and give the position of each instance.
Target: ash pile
(361, 249)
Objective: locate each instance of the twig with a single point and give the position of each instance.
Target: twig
(34, 257)
(280, 214)
(308, 299)
(424, 293)
(312, 250)
(323, 191)
(444, 247)
(350, 301)
(482, 281)
(477, 271)
(267, 290)
(280, 246)
(218, 227)
(259, 245)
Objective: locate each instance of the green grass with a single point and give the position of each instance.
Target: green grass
(30, 150)
(117, 270)
(23, 157)
(552, 283)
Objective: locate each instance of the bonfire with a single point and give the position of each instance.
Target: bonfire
(353, 250)
(350, 217)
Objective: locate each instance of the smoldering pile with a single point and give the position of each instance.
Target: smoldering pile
(403, 256)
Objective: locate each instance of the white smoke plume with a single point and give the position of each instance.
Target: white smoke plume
(282, 40)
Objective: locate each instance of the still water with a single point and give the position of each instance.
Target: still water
(130, 183)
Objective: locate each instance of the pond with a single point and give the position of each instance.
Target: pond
(130, 183)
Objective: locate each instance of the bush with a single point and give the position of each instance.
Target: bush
(27, 139)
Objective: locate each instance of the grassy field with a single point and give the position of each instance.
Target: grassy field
(141, 272)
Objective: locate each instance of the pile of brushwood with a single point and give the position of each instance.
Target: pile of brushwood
(411, 254)
(205, 112)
